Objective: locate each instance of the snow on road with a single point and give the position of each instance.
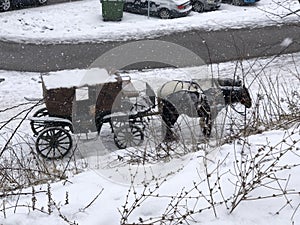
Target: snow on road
(82, 21)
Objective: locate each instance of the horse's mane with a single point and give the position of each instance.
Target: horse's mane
(229, 82)
(219, 83)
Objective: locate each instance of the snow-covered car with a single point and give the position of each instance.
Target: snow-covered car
(205, 5)
(6, 5)
(240, 2)
(164, 9)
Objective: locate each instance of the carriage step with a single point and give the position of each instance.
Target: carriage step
(50, 119)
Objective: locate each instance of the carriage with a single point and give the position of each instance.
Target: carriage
(83, 102)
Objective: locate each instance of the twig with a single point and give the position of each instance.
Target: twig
(92, 201)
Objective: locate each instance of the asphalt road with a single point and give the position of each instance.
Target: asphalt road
(211, 46)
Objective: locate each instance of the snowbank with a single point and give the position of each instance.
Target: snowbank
(82, 22)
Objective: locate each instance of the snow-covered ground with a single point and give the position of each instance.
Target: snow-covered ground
(267, 77)
(82, 21)
(273, 83)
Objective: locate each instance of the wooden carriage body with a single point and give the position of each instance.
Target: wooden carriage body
(84, 97)
(87, 98)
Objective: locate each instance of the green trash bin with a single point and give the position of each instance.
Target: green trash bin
(112, 10)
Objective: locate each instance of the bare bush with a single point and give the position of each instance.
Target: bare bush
(180, 208)
(284, 8)
(21, 166)
(264, 168)
(258, 173)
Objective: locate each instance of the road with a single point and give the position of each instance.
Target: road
(211, 46)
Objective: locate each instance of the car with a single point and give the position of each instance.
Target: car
(6, 5)
(240, 2)
(164, 9)
(205, 5)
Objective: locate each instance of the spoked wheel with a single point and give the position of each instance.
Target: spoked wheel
(5, 5)
(37, 127)
(198, 7)
(53, 143)
(128, 136)
(164, 14)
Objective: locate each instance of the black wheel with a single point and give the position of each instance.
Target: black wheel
(53, 143)
(164, 14)
(41, 2)
(37, 127)
(236, 2)
(5, 5)
(128, 136)
(198, 6)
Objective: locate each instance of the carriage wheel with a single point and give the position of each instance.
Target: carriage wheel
(37, 127)
(128, 136)
(53, 143)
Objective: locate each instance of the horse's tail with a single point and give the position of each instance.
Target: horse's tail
(206, 116)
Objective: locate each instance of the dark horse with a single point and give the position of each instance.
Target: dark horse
(187, 97)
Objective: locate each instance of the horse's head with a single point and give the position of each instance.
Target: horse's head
(244, 97)
(237, 95)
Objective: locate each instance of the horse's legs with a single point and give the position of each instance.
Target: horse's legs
(205, 118)
(206, 124)
(169, 117)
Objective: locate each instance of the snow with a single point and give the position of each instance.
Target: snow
(286, 42)
(99, 168)
(82, 22)
(111, 178)
(62, 79)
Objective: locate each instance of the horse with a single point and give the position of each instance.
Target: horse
(187, 97)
